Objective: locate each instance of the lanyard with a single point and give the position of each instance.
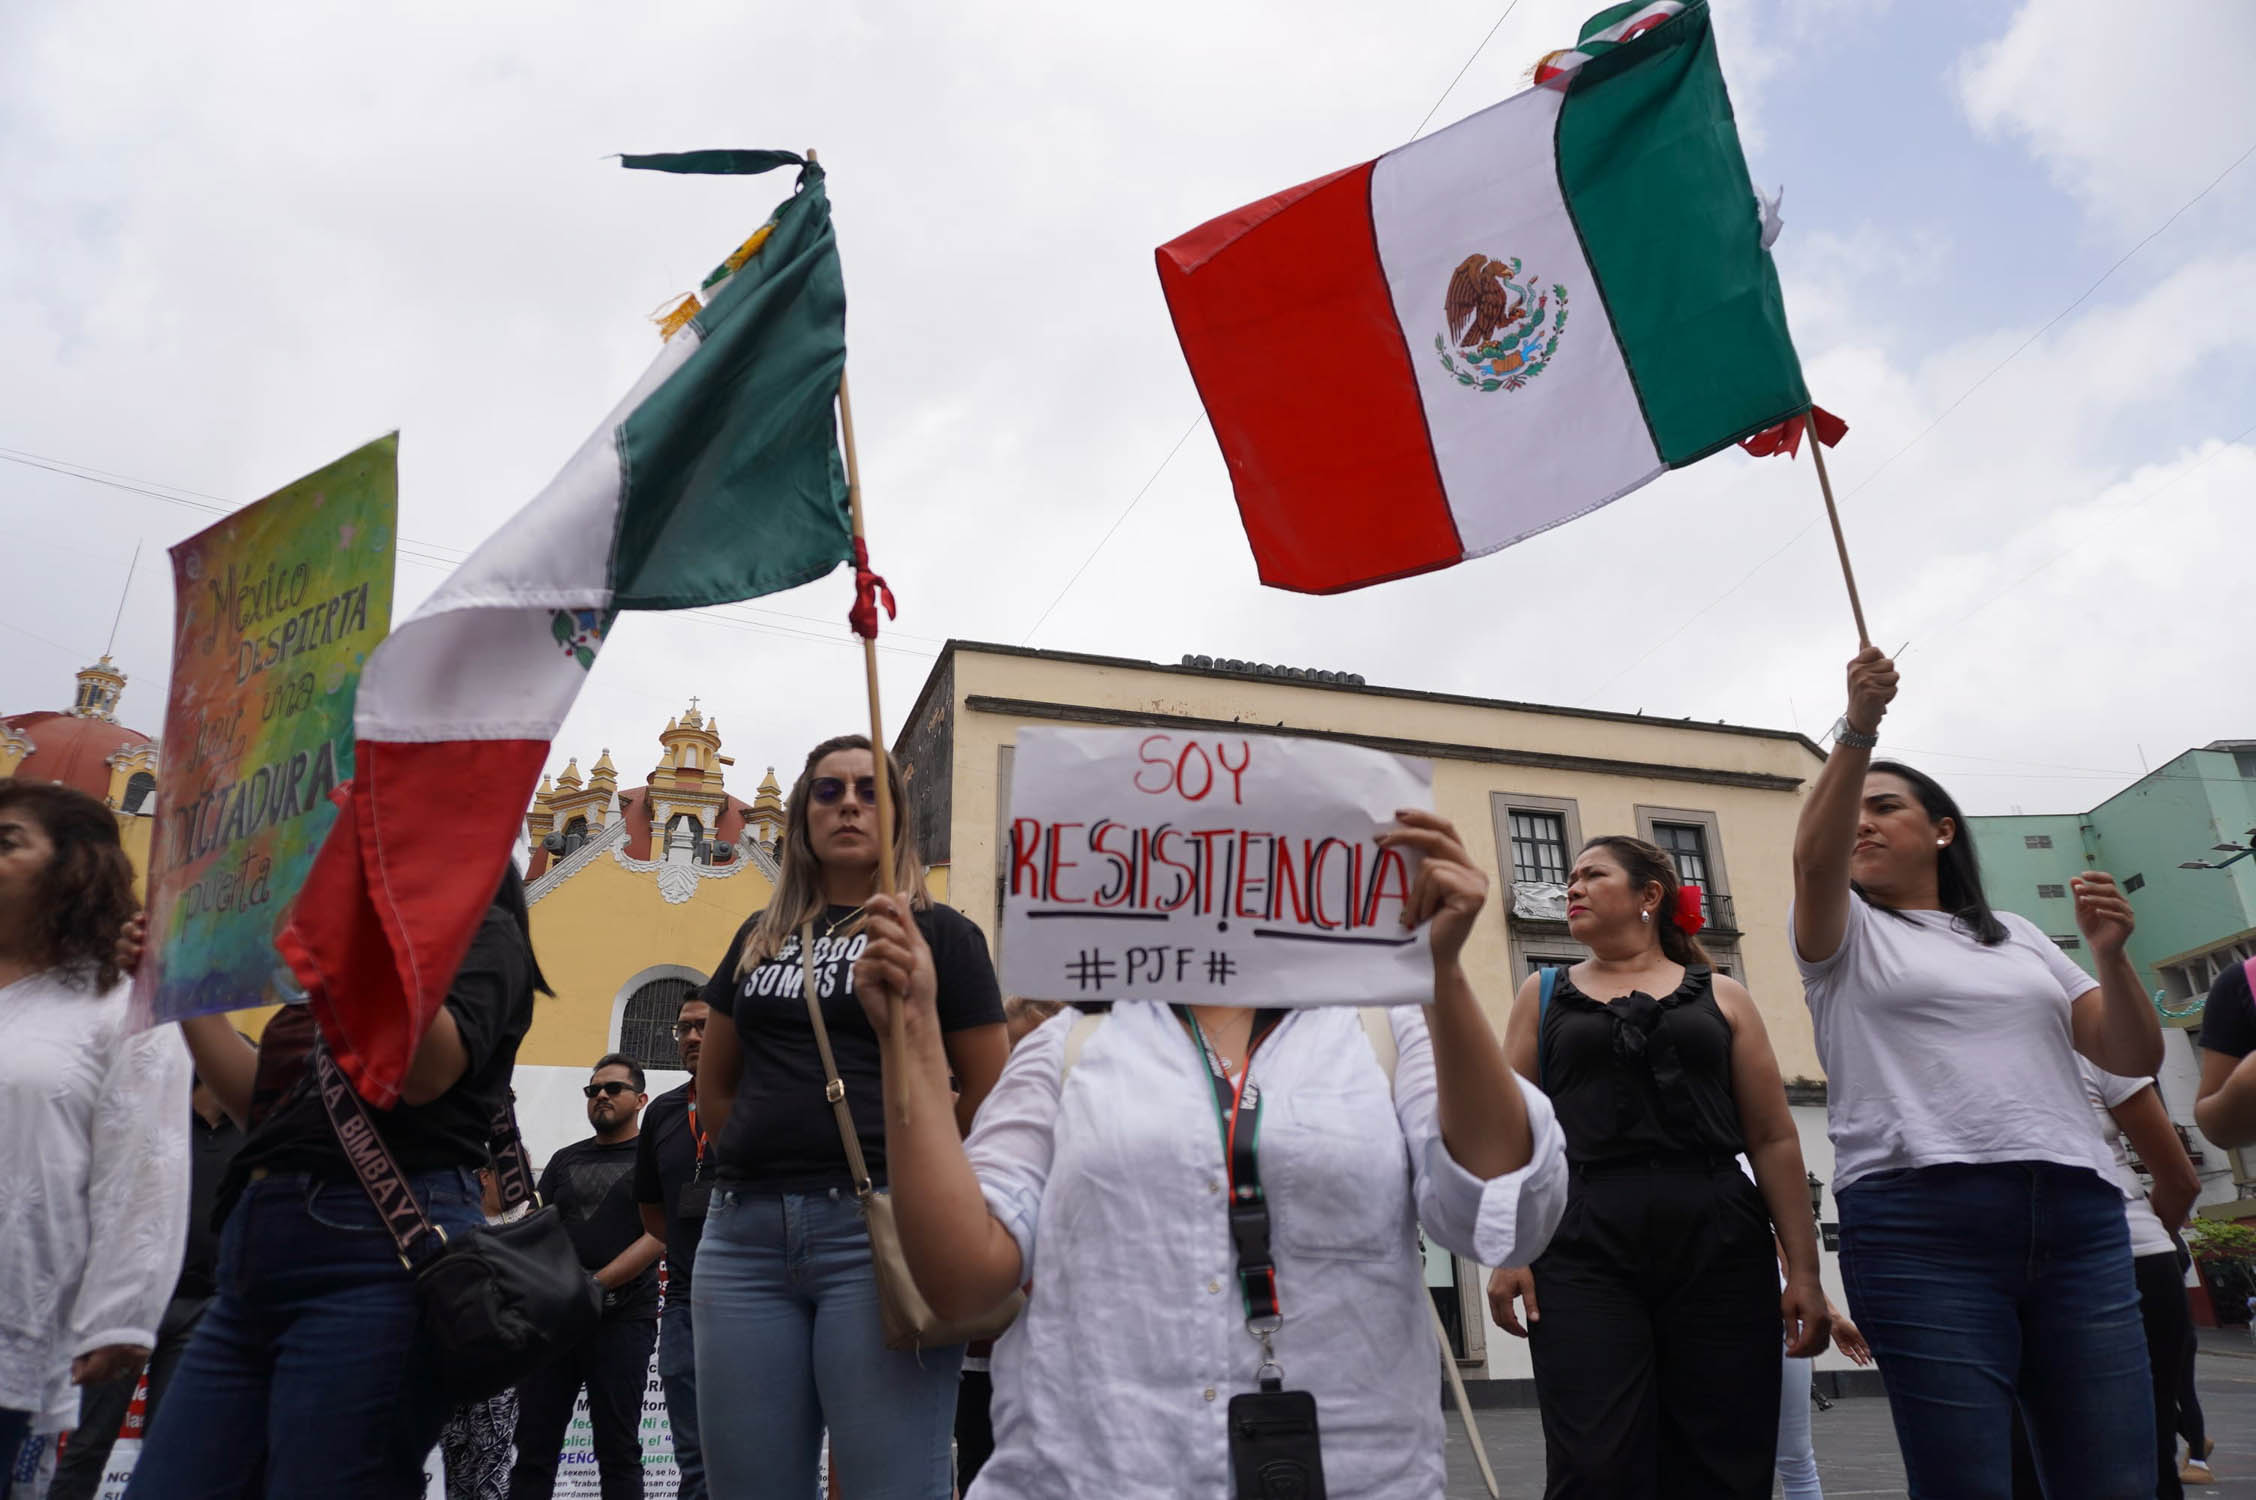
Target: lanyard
(697, 1134)
(1237, 1116)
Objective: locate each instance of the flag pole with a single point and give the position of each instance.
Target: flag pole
(884, 881)
(1833, 514)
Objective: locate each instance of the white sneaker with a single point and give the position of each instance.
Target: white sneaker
(2194, 1471)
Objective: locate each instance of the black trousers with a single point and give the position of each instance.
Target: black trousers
(1656, 1350)
(614, 1364)
(102, 1408)
(975, 1426)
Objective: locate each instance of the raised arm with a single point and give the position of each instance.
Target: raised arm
(963, 1259)
(227, 1067)
(2115, 1024)
(1774, 1150)
(1826, 835)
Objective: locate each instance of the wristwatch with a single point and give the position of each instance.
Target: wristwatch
(1855, 739)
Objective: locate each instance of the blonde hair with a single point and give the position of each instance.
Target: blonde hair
(799, 896)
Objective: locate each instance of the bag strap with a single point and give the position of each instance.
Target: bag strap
(1542, 1045)
(834, 1088)
(1077, 1038)
(373, 1163)
(512, 1166)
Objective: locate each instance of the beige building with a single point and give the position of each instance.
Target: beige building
(1524, 783)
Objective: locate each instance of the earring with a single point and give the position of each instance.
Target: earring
(1942, 843)
(1644, 916)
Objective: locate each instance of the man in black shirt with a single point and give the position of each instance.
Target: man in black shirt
(213, 1141)
(591, 1183)
(2226, 1107)
(673, 1181)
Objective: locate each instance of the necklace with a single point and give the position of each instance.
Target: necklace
(838, 922)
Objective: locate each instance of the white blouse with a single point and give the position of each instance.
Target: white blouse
(1116, 1380)
(93, 1183)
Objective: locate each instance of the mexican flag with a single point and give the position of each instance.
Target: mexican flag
(1497, 328)
(718, 478)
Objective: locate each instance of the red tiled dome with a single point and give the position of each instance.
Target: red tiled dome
(70, 749)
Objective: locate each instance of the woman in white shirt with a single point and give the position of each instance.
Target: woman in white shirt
(1108, 1190)
(93, 1118)
(1982, 1234)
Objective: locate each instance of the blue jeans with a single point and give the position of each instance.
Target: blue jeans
(677, 1372)
(307, 1375)
(1983, 1288)
(789, 1341)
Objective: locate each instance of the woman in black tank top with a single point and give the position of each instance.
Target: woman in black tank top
(1653, 1319)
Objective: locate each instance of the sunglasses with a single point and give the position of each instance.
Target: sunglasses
(828, 789)
(613, 1087)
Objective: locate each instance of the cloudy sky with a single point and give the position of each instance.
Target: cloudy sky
(241, 240)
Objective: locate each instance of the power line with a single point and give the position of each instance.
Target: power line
(1145, 488)
(1959, 401)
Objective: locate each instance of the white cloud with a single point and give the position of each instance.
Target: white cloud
(2130, 110)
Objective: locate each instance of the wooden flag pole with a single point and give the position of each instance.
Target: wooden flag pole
(1840, 543)
(869, 650)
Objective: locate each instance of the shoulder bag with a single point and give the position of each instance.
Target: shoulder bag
(908, 1320)
(496, 1303)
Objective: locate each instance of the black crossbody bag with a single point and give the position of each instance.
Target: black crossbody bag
(1276, 1452)
(496, 1303)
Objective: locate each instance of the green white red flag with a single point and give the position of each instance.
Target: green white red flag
(717, 478)
(1499, 327)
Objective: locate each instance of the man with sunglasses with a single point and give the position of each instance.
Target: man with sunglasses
(591, 1184)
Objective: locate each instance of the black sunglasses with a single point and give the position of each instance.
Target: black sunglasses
(611, 1086)
(828, 789)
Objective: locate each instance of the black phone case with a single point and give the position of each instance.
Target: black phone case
(1274, 1451)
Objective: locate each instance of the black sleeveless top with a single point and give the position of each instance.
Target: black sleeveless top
(1639, 1077)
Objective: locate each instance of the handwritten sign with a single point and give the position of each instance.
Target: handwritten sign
(1209, 869)
(275, 611)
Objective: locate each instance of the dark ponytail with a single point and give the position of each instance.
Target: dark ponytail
(1647, 864)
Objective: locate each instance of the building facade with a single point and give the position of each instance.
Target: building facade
(2179, 841)
(85, 746)
(1524, 783)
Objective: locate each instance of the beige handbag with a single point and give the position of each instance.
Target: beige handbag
(908, 1320)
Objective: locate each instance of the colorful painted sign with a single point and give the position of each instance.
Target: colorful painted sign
(1210, 868)
(275, 611)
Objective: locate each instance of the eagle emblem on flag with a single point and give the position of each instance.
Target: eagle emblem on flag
(1500, 329)
(580, 633)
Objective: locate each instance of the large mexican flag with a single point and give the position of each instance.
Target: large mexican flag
(1497, 328)
(717, 478)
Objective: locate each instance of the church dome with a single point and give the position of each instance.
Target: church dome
(75, 746)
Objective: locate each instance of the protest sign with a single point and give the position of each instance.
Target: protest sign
(1210, 869)
(275, 611)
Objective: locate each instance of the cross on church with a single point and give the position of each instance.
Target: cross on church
(693, 703)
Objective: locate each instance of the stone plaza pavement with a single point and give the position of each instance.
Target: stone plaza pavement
(1856, 1447)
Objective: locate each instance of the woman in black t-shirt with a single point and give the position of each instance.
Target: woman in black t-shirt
(789, 1340)
(2226, 1108)
(307, 1374)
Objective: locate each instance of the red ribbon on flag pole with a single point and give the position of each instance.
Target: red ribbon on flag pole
(1786, 437)
(869, 590)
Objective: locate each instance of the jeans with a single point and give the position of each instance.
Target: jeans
(677, 1372)
(1797, 1458)
(15, 1431)
(1987, 1288)
(307, 1375)
(789, 1341)
(102, 1408)
(613, 1363)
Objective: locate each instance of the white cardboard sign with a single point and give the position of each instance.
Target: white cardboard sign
(1210, 869)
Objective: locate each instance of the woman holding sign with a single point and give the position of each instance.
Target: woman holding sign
(1218, 1210)
(1653, 1320)
(1982, 1233)
(789, 1330)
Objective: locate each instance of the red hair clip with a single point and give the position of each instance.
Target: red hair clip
(1691, 909)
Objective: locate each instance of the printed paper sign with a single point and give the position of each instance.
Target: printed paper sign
(275, 611)
(1210, 869)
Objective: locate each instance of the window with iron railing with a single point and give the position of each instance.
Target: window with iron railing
(1539, 847)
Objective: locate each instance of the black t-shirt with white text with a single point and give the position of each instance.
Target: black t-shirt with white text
(2228, 1020)
(592, 1185)
(782, 1136)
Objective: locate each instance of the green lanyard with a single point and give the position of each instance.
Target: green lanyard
(1237, 1118)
